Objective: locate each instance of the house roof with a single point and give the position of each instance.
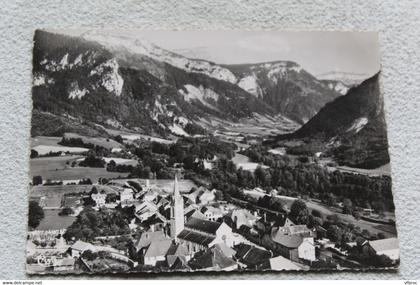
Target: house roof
(179, 263)
(158, 248)
(177, 250)
(384, 244)
(211, 209)
(203, 225)
(242, 216)
(229, 252)
(280, 263)
(290, 241)
(294, 229)
(208, 196)
(176, 262)
(195, 237)
(195, 214)
(251, 255)
(147, 237)
(212, 258)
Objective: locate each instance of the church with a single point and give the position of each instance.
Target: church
(196, 234)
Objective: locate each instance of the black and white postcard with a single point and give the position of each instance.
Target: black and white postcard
(164, 151)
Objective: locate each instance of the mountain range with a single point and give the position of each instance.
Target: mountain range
(352, 126)
(100, 79)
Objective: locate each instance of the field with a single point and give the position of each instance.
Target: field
(117, 160)
(52, 221)
(39, 190)
(44, 145)
(56, 168)
(104, 142)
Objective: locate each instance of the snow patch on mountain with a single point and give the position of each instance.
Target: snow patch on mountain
(141, 46)
(249, 83)
(358, 124)
(201, 94)
(111, 80)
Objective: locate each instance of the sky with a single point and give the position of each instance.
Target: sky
(318, 52)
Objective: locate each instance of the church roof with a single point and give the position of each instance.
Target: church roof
(195, 237)
(203, 225)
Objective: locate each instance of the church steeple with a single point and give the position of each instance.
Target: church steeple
(177, 211)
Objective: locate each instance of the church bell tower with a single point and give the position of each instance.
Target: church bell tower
(177, 211)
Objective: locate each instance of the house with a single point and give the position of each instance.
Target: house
(79, 247)
(99, 198)
(211, 213)
(207, 197)
(146, 238)
(177, 253)
(193, 197)
(157, 251)
(251, 256)
(243, 217)
(126, 197)
(294, 242)
(280, 263)
(213, 259)
(193, 213)
(388, 247)
(145, 210)
(199, 234)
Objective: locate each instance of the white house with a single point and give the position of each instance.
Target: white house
(388, 247)
(99, 198)
(126, 197)
(211, 213)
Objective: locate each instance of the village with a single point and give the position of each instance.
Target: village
(177, 228)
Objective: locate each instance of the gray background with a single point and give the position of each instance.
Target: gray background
(398, 24)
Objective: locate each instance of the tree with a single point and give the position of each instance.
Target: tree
(36, 214)
(89, 255)
(299, 213)
(34, 153)
(334, 233)
(37, 180)
(119, 139)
